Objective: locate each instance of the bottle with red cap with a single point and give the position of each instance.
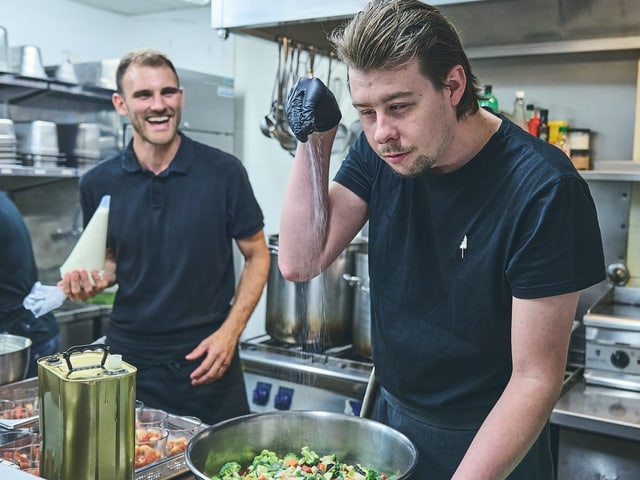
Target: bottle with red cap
(534, 123)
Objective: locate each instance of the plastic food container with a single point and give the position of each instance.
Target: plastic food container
(151, 445)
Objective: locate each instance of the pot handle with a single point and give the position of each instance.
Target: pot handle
(355, 281)
(352, 279)
(369, 395)
(81, 348)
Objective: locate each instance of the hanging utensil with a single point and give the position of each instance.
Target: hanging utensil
(312, 58)
(281, 131)
(268, 122)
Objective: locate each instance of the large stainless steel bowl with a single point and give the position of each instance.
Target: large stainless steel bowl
(14, 358)
(352, 439)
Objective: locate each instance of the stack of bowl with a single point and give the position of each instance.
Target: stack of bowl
(8, 141)
(26, 61)
(14, 358)
(38, 143)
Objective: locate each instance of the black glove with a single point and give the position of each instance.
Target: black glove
(311, 107)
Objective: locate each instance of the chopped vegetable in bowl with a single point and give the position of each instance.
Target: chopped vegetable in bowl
(306, 466)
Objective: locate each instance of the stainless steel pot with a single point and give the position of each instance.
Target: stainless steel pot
(317, 313)
(14, 358)
(352, 439)
(361, 305)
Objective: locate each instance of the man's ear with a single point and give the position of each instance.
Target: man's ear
(118, 103)
(457, 82)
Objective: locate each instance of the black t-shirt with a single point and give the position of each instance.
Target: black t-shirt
(172, 237)
(18, 273)
(448, 252)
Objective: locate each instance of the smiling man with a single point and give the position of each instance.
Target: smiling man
(481, 238)
(176, 208)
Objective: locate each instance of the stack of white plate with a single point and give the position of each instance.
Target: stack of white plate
(8, 142)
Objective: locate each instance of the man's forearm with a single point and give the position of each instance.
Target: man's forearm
(509, 431)
(248, 292)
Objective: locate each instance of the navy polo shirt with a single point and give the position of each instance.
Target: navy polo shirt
(172, 236)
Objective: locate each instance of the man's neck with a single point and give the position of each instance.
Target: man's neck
(155, 158)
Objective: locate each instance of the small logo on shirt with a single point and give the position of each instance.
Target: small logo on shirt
(463, 246)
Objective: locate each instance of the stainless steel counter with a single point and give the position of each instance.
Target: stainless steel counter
(70, 311)
(600, 410)
(81, 323)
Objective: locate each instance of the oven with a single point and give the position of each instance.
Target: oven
(280, 376)
(612, 340)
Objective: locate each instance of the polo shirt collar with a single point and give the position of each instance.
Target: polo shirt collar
(181, 163)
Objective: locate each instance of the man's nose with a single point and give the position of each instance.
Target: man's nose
(158, 103)
(385, 129)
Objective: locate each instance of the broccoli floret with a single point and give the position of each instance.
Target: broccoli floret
(230, 471)
(372, 475)
(309, 457)
(266, 457)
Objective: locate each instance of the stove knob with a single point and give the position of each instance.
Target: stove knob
(283, 398)
(261, 393)
(619, 359)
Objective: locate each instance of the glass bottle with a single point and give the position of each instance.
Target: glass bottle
(518, 116)
(543, 128)
(530, 111)
(563, 140)
(488, 99)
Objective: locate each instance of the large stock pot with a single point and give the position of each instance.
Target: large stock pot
(317, 313)
(361, 304)
(351, 439)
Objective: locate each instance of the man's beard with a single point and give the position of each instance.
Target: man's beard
(423, 164)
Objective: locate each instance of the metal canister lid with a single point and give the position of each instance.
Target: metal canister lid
(86, 362)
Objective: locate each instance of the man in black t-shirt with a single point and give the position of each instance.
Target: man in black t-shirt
(481, 238)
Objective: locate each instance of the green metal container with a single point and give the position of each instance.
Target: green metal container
(87, 415)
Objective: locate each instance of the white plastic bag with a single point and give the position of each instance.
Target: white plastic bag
(43, 298)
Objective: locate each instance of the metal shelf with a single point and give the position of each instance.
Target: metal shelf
(611, 175)
(613, 171)
(18, 177)
(16, 89)
(556, 47)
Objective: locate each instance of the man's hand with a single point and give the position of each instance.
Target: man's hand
(78, 286)
(218, 350)
(311, 107)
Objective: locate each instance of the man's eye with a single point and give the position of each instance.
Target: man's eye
(398, 106)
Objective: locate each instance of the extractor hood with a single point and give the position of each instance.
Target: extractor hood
(482, 24)
(142, 7)
(306, 22)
